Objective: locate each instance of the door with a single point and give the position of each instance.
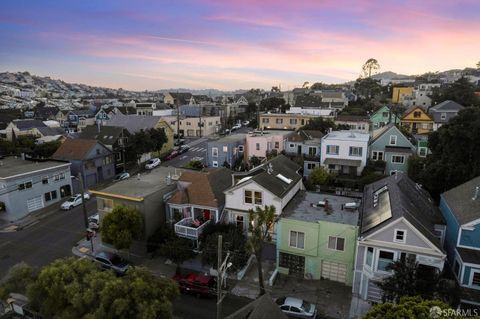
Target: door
(299, 149)
(35, 203)
(334, 271)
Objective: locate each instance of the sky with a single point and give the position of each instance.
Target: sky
(233, 44)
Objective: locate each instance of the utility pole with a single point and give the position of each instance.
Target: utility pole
(84, 207)
(178, 121)
(123, 150)
(221, 270)
(200, 119)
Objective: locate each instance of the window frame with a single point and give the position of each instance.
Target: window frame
(472, 275)
(377, 255)
(294, 234)
(394, 138)
(214, 151)
(372, 261)
(245, 196)
(375, 156)
(398, 156)
(396, 232)
(358, 148)
(328, 149)
(336, 243)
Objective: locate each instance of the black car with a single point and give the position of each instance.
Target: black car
(183, 149)
(109, 260)
(179, 142)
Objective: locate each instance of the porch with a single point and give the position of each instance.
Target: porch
(190, 228)
(343, 166)
(190, 221)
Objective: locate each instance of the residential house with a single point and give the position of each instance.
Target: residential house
(382, 117)
(123, 110)
(316, 237)
(344, 152)
(76, 120)
(228, 149)
(89, 158)
(145, 108)
(30, 127)
(305, 143)
(356, 123)
(388, 144)
(61, 117)
(334, 99)
(443, 112)
(45, 113)
(272, 183)
(136, 123)
(163, 109)
(194, 126)
(401, 94)
(308, 101)
(284, 121)
(177, 98)
(102, 115)
(422, 94)
(7, 116)
(145, 192)
(318, 112)
(198, 201)
(398, 221)
(417, 121)
(259, 144)
(113, 137)
(200, 99)
(461, 208)
(26, 186)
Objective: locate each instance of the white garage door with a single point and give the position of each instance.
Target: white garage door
(334, 271)
(35, 203)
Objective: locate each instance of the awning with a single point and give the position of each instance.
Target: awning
(341, 161)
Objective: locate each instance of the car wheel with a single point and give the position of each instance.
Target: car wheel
(70, 207)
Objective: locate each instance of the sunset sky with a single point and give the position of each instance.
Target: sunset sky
(239, 44)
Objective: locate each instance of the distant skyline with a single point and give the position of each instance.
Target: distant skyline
(237, 44)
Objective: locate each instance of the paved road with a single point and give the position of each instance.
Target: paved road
(42, 243)
(198, 148)
(186, 306)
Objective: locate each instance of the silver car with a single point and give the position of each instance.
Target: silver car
(297, 308)
(112, 261)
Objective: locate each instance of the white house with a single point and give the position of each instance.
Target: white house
(344, 152)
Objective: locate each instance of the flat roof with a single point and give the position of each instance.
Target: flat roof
(289, 114)
(138, 187)
(258, 133)
(304, 206)
(347, 135)
(229, 138)
(12, 166)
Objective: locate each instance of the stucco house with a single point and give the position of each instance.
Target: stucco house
(356, 123)
(316, 237)
(259, 143)
(305, 143)
(227, 149)
(460, 207)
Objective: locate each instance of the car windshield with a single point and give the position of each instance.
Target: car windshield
(150, 162)
(306, 306)
(116, 260)
(71, 199)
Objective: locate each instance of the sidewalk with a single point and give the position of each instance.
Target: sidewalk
(29, 220)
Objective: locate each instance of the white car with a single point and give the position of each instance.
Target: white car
(236, 126)
(154, 162)
(74, 201)
(297, 308)
(94, 222)
(245, 123)
(121, 176)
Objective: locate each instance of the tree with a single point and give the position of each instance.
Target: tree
(320, 124)
(320, 176)
(255, 161)
(369, 67)
(409, 307)
(275, 89)
(367, 87)
(318, 86)
(461, 91)
(46, 150)
(415, 166)
(305, 84)
(6, 147)
(177, 249)
(272, 103)
(158, 139)
(455, 153)
(121, 226)
(138, 144)
(18, 278)
(78, 288)
(260, 224)
(195, 164)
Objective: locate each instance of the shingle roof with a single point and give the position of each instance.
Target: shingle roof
(74, 149)
(303, 135)
(84, 112)
(308, 101)
(51, 131)
(261, 308)
(133, 123)
(126, 110)
(447, 105)
(459, 200)
(352, 118)
(45, 112)
(204, 188)
(23, 125)
(403, 198)
(413, 108)
(108, 135)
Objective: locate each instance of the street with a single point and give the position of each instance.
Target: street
(187, 306)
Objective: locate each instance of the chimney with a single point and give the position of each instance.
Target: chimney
(477, 193)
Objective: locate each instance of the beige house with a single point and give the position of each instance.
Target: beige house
(190, 126)
(284, 121)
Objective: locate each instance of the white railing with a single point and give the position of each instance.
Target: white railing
(184, 229)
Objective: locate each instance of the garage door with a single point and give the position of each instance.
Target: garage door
(334, 271)
(35, 203)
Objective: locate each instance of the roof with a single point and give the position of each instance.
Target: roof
(399, 149)
(24, 125)
(347, 135)
(261, 308)
(332, 94)
(133, 123)
(84, 112)
(352, 118)
(413, 108)
(342, 161)
(229, 138)
(308, 101)
(303, 135)
(459, 200)
(108, 135)
(266, 175)
(446, 106)
(126, 110)
(51, 131)
(146, 104)
(399, 196)
(74, 149)
(45, 112)
(304, 207)
(140, 186)
(11, 166)
(203, 188)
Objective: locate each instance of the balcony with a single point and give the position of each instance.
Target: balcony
(190, 228)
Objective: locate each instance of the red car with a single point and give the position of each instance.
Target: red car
(173, 154)
(198, 285)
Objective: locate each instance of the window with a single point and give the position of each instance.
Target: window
(443, 116)
(215, 151)
(277, 144)
(240, 148)
(225, 149)
(385, 258)
(189, 123)
(107, 160)
(311, 166)
(355, 151)
(265, 120)
(400, 236)
(336, 243)
(333, 149)
(293, 121)
(215, 163)
(291, 145)
(45, 180)
(25, 186)
(393, 140)
(398, 159)
(297, 239)
(279, 121)
(312, 151)
(475, 281)
(258, 198)
(417, 114)
(257, 146)
(384, 114)
(248, 197)
(422, 151)
(369, 259)
(377, 156)
(210, 123)
(98, 151)
(239, 221)
(50, 196)
(105, 204)
(252, 197)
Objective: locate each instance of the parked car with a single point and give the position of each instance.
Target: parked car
(94, 222)
(121, 176)
(179, 142)
(297, 308)
(236, 126)
(74, 201)
(184, 149)
(109, 260)
(172, 155)
(245, 123)
(152, 163)
(199, 285)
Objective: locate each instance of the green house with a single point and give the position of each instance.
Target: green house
(383, 116)
(316, 237)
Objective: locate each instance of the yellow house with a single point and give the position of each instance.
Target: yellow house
(417, 121)
(399, 94)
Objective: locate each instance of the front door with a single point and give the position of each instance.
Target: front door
(299, 151)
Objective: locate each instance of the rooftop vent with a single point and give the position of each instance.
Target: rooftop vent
(477, 193)
(270, 168)
(284, 179)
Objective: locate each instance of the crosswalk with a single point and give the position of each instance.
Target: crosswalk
(198, 149)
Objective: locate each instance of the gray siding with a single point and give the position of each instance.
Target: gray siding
(412, 239)
(229, 156)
